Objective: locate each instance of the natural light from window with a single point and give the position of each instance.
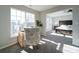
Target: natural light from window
(21, 19)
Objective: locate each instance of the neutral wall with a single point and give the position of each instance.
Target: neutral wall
(76, 26)
(5, 38)
(4, 25)
(49, 24)
(57, 19)
(66, 17)
(75, 19)
(43, 15)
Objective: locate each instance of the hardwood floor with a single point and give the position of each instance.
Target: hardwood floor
(45, 48)
(48, 44)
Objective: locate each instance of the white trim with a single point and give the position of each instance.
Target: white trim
(7, 45)
(14, 35)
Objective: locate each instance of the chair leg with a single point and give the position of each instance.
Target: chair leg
(36, 47)
(20, 43)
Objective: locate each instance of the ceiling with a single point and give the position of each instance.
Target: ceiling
(41, 7)
(60, 13)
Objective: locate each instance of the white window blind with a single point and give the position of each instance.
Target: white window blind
(20, 19)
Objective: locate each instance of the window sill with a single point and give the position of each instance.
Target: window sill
(14, 35)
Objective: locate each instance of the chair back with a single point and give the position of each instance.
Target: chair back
(32, 36)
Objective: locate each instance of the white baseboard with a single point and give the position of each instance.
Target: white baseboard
(7, 45)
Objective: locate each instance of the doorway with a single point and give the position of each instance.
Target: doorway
(60, 23)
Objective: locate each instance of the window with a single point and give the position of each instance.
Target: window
(17, 19)
(30, 20)
(21, 19)
(48, 23)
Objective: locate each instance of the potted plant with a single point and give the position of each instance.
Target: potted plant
(38, 23)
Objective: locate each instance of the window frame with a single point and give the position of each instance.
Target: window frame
(25, 20)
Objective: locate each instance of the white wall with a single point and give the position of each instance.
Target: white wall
(43, 15)
(66, 17)
(4, 25)
(5, 38)
(76, 26)
(75, 19)
(49, 23)
(57, 19)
